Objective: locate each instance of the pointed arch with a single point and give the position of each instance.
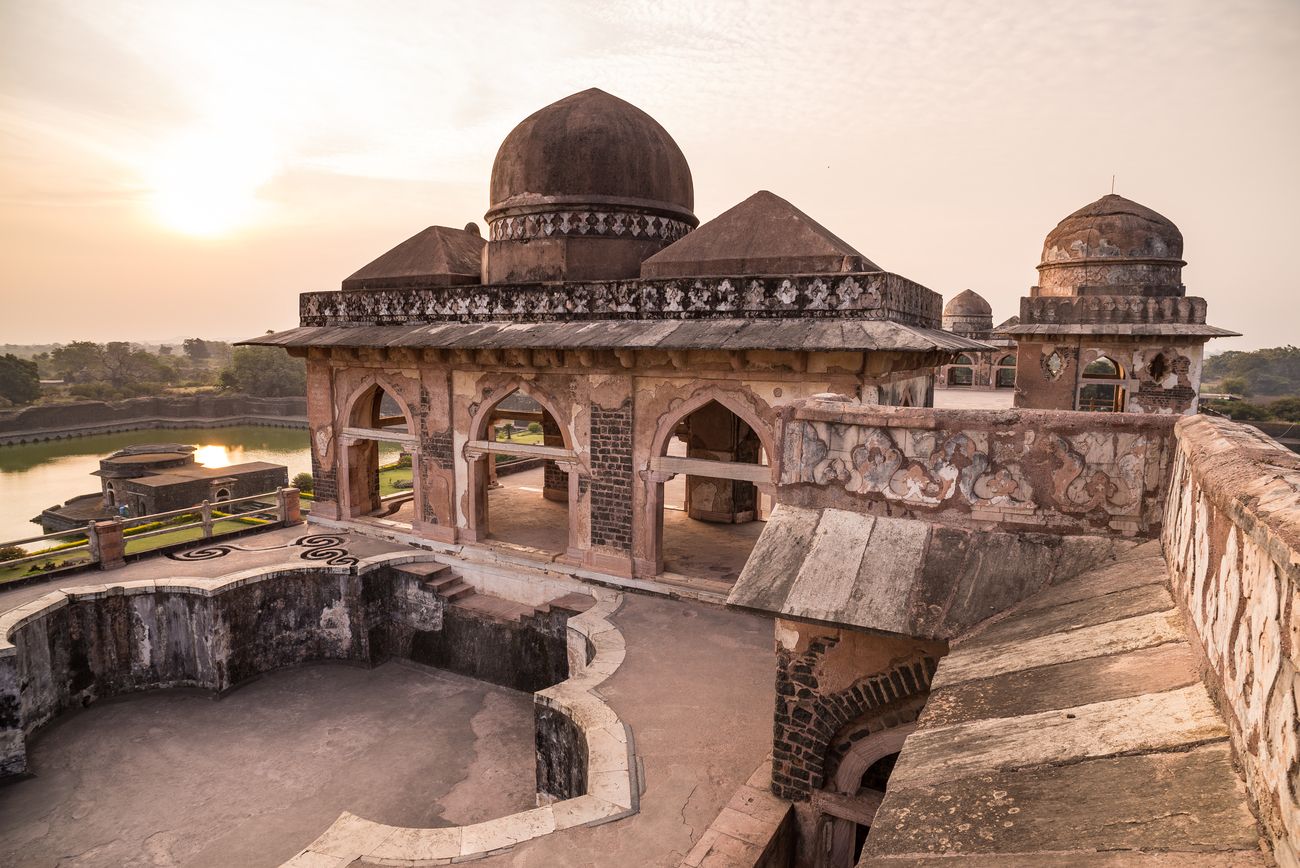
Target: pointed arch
(735, 401)
(479, 421)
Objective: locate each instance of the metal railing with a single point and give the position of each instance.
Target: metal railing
(106, 542)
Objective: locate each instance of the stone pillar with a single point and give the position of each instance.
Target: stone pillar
(555, 482)
(108, 544)
(290, 506)
(717, 434)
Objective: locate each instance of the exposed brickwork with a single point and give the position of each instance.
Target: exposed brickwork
(808, 718)
(438, 446)
(611, 476)
(324, 484)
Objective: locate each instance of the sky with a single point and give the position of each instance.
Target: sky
(185, 168)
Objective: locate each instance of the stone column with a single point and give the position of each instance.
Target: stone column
(717, 434)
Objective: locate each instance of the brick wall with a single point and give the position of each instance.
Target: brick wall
(809, 716)
(611, 476)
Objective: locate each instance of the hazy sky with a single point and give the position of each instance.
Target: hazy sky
(187, 168)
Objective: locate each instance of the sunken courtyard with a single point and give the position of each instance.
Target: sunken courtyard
(691, 570)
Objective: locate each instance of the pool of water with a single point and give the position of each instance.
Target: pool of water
(34, 476)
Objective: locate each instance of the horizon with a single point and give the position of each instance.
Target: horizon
(166, 164)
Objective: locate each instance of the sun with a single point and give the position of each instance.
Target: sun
(205, 183)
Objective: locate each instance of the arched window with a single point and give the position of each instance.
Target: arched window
(962, 371)
(110, 494)
(223, 494)
(1005, 376)
(1100, 390)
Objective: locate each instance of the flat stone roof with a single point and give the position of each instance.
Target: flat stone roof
(1074, 731)
(198, 471)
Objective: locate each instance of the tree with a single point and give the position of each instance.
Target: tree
(1235, 386)
(303, 482)
(267, 372)
(79, 361)
(20, 382)
(196, 348)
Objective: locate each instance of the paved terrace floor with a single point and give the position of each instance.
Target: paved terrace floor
(1073, 732)
(520, 516)
(175, 778)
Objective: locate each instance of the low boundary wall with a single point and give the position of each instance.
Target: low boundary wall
(1232, 542)
(58, 421)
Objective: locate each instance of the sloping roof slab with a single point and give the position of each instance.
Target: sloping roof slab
(818, 334)
(902, 576)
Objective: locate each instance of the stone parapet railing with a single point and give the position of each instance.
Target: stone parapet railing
(874, 295)
(1232, 541)
(1058, 471)
(1122, 309)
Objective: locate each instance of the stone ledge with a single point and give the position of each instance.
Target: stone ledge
(748, 827)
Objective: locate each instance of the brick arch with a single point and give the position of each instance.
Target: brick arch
(807, 721)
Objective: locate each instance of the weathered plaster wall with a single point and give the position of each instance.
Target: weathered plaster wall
(1049, 371)
(1064, 472)
(1232, 541)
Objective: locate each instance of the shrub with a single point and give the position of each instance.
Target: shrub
(534, 427)
(303, 482)
(9, 553)
(404, 460)
(1235, 386)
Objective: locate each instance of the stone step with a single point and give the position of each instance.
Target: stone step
(574, 603)
(455, 590)
(426, 570)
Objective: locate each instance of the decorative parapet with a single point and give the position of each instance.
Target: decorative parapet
(1124, 309)
(1061, 471)
(1232, 542)
(875, 295)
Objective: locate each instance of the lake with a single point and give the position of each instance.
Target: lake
(35, 476)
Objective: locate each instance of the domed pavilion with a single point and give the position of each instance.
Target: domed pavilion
(1110, 326)
(649, 357)
(970, 315)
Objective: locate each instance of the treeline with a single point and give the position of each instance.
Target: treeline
(119, 369)
(1271, 373)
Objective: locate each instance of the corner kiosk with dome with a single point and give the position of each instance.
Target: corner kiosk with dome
(596, 296)
(1110, 326)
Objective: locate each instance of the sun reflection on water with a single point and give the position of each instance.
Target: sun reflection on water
(213, 456)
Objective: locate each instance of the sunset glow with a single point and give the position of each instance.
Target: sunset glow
(206, 184)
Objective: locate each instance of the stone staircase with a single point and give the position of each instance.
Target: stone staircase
(446, 584)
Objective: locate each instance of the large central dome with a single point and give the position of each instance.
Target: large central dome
(591, 149)
(585, 189)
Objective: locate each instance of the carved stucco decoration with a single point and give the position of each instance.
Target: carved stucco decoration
(1088, 471)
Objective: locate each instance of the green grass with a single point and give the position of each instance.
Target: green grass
(136, 546)
(390, 474)
(526, 437)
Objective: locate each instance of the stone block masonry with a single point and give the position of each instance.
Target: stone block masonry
(1232, 541)
(611, 477)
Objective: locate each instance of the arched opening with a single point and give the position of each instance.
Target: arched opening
(1005, 375)
(222, 494)
(110, 495)
(855, 791)
(962, 371)
(711, 463)
(523, 460)
(379, 459)
(1101, 388)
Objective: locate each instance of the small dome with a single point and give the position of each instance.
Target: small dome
(1113, 228)
(968, 303)
(591, 149)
